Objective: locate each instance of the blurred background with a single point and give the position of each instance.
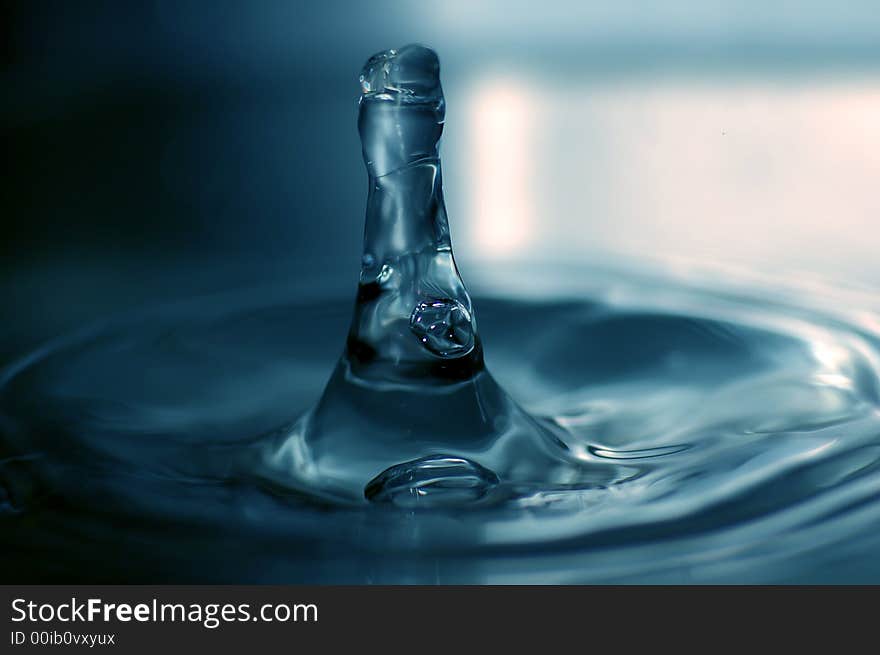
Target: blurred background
(162, 149)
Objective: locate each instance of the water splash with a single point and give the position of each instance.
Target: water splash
(412, 377)
(662, 432)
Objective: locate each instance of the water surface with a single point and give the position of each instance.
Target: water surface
(720, 438)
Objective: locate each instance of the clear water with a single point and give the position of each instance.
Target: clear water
(644, 430)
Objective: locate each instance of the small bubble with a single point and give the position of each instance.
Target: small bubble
(444, 327)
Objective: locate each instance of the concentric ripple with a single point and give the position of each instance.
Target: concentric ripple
(717, 438)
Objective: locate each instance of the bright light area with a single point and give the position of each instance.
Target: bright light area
(749, 173)
(501, 127)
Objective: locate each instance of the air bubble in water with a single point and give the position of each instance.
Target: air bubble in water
(444, 327)
(434, 481)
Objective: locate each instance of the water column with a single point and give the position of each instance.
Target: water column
(410, 410)
(413, 318)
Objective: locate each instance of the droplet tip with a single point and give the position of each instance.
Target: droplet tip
(408, 74)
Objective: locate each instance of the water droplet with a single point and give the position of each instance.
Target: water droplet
(432, 481)
(408, 74)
